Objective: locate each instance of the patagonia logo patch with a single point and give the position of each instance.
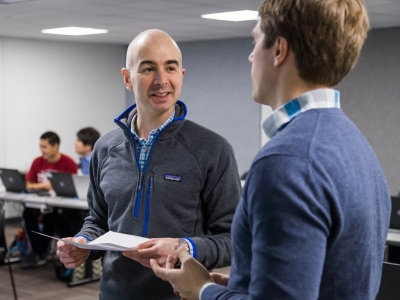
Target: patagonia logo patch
(173, 177)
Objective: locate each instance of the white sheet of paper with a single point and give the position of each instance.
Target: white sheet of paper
(112, 241)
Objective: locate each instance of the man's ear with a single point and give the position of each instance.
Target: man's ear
(281, 51)
(126, 76)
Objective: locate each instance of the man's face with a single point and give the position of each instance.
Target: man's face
(156, 75)
(262, 75)
(81, 148)
(48, 151)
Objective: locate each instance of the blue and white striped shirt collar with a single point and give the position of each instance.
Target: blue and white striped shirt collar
(321, 98)
(154, 131)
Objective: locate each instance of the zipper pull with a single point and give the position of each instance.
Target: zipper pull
(140, 181)
(151, 182)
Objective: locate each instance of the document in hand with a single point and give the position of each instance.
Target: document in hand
(112, 241)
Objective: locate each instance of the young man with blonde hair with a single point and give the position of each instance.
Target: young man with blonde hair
(313, 219)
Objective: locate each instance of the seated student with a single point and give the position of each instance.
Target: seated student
(50, 161)
(86, 138)
(73, 218)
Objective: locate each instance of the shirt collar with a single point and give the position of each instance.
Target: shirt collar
(89, 156)
(133, 130)
(321, 98)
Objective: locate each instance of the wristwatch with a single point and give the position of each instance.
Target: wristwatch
(184, 244)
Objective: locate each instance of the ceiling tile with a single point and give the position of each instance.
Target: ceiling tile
(126, 18)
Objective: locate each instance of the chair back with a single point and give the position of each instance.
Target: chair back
(390, 287)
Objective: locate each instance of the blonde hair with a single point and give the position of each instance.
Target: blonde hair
(326, 36)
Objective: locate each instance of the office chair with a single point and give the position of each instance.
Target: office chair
(389, 288)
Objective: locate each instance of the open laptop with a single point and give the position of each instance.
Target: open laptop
(13, 181)
(395, 215)
(81, 185)
(62, 184)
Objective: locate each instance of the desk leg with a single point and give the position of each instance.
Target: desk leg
(3, 243)
(386, 254)
(83, 281)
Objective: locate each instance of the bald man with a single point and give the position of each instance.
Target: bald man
(158, 176)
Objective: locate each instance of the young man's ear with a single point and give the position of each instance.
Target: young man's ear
(281, 48)
(126, 76)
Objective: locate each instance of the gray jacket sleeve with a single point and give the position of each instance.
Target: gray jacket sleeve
(220, 197)
(96, 223)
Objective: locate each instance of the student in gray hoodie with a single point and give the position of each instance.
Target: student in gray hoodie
(158, 176)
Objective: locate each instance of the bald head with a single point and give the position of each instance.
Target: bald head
(154, 73)
(147, 39)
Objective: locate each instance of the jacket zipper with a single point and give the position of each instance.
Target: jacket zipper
(136, 209)
(138, 196)
(148, 195)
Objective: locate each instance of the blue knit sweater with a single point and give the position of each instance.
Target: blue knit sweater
(314, 216)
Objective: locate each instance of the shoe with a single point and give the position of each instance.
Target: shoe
(32, 260)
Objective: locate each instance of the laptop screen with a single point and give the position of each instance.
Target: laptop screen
(62, 184)
(395, 215)
(12, 180)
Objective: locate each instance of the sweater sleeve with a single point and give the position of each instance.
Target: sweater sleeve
(220, 197)
(96, 223)
(288, 221)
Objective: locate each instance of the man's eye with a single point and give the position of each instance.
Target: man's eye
(147, 70)
(171, 69)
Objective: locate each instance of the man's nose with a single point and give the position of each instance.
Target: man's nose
(161, 78)
(251, 57)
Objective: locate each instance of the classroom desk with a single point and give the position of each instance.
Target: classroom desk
(50, 202)
(43, 203)
(32, 200)
(393, 238)
(11, 197)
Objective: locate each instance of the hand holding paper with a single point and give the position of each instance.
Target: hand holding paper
(74, 251)
(72, 256)
(112, 241)
(157, 248)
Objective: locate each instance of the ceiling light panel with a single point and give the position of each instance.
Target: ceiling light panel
(233, 16)
(75, 31)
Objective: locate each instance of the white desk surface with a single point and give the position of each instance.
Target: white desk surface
(393, 237)
(11, 197)
(47, 201)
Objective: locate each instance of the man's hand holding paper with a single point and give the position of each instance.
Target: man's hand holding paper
(158, 249)
(70, 255)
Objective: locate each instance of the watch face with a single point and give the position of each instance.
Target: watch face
(184, 244)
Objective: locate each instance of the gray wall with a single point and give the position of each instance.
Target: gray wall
(55, 86)
(218, 92)
(371, 99)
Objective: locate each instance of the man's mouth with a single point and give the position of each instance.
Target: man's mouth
(160, 94)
